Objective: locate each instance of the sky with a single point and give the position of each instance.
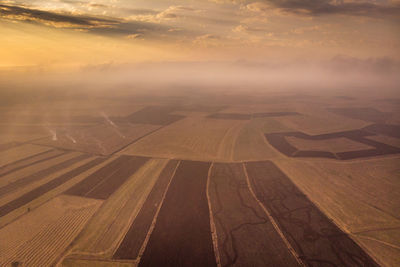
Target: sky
(81, 33)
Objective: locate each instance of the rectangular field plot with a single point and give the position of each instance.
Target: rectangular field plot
(135, 237)
(100, 240)
(314, 237)
(105, 181)
(194, 138)
(101, 139)
(182, 234)
(246, 236)
(41, 236)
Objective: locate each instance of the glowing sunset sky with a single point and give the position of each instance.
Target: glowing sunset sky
(59, 33)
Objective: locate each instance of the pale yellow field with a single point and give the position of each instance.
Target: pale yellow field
(385, 253)
(100, 240)
(319, 121)
(251, 143)
(359, 196)
(333, 145)
(41, 236)
(196, 138)
(20, 152)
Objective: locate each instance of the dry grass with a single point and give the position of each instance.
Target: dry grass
(100, 240)
(39, 237)
(195, 138)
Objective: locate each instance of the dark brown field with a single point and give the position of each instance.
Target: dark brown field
(136, 235)
(246, 236)
(31, 195)
(182, 235)
(105, 181)
(315, 238)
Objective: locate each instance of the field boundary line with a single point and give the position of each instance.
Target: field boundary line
(137, 139)
(153, 223)
(214, 235)
(272, 220)
(133, 218)
(376, 240)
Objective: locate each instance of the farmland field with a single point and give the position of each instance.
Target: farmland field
(301, 179)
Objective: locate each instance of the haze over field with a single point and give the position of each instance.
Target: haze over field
(200, 133)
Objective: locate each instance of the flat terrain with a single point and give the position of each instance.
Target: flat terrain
(201, 178)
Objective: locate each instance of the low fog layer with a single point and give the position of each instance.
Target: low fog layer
(342, 73)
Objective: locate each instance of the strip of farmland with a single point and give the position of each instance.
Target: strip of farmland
(41, 157)
(11, 187)
(101, 240)
(314, 237)
(31, 195)
(136, 235)
(182, 234)
(8, 145)
(23, 152)
(246, 236)
(248, 116)
(105, 181)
